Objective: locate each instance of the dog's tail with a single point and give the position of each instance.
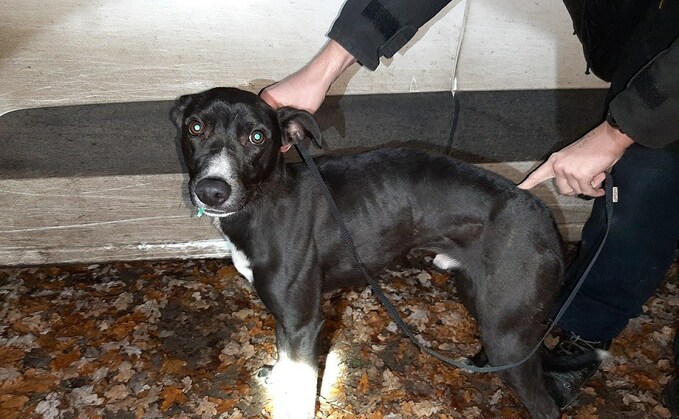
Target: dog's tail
(570, 362)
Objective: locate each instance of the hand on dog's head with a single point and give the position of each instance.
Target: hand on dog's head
(294, 125)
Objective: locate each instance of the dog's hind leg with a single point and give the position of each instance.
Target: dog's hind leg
(508, 338)
(514, 288)
(527, 384)
(292, 382)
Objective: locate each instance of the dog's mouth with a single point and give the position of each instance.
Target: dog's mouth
(213, 212)
(202, 209)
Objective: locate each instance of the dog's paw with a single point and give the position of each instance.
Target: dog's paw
(465, 360)
(264, 373)
(471, 362)
(480, 359)
(292, 387)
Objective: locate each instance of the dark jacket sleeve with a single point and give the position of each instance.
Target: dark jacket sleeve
(647, 110)
(370, 29)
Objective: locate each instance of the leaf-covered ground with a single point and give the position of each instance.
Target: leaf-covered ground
(186, 339)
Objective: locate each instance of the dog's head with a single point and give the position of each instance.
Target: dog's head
(232, 143)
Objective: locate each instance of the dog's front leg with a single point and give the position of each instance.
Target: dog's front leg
(293, 379)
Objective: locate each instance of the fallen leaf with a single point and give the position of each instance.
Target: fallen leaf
(390, 381)
(123, 301)
(173, 366)
(10, 354)
(224, 405)
(30, 382)
(49, 407)
(172, 395)
(364, 383)
(117, 392)
(227, 271)
(206, 408)
(9, 402)
(85, 396)
(425, 409)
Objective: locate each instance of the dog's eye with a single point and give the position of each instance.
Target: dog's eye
(257, 137)
(195, 127)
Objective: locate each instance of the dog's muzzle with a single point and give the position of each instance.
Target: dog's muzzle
(212, 192)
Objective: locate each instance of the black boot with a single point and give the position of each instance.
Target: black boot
(670, 395)
(562, 382)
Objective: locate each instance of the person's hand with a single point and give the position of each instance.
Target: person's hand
(302, 90)
(306, 88)
(580, 167)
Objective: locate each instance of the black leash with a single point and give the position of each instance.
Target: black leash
(393, 312)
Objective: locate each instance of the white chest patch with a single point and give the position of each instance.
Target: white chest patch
(445, 262)
(242, 263)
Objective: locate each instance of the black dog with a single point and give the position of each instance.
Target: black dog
(284, 240)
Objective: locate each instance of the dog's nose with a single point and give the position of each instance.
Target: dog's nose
(213, 192)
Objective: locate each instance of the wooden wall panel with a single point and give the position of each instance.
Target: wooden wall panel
(75, 219)
(98, 219)
(518, 44)
(66, 52)
(71, 52)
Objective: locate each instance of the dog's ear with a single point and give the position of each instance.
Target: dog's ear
(177, 111)
(297, 125)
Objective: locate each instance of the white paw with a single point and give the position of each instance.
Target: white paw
(292, 386)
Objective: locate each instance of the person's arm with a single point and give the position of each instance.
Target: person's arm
(371, 29)
(648, 109)
(364, 31)
(645, 112)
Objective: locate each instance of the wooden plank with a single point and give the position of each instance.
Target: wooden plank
(105, 218)
(66, 52)
(518, 44)
(101, 218)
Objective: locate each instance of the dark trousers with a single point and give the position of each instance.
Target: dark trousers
(639, 249)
